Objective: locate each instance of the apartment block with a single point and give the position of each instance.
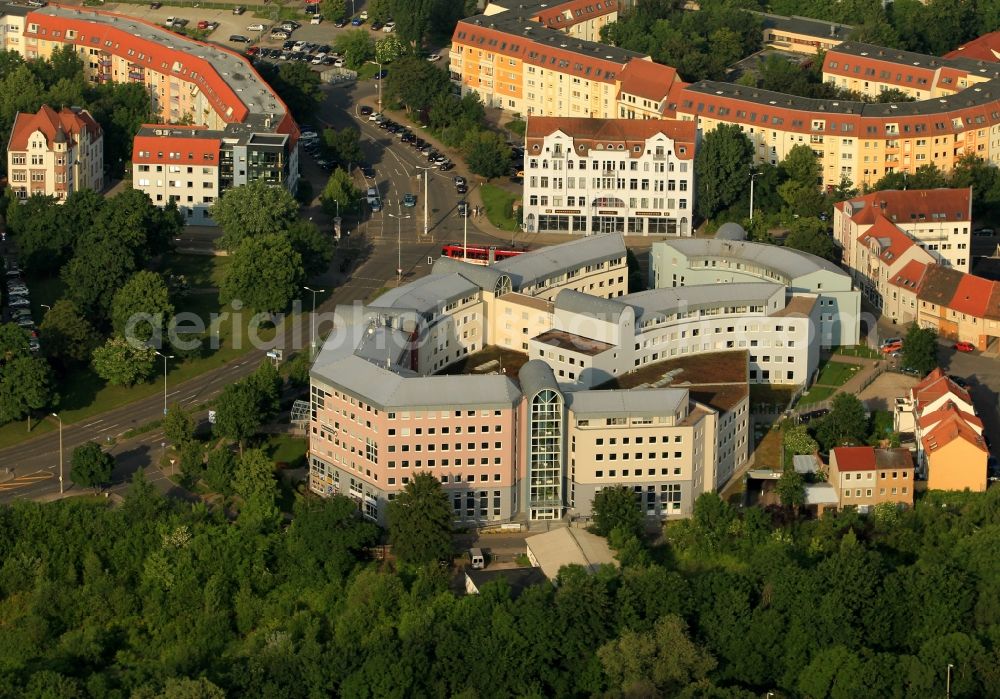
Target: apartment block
(55, 153)
(628, 176)
(679, 263)
(937, 220)
(187, 81)
(516, 441)
(865, 476)
(951, 450)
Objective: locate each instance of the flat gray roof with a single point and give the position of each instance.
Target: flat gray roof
(589, 305)
(643, 402)
(427, 294)
(555, 260)
(786, 261)
(805, 25)
(569, 546)
(485, 277)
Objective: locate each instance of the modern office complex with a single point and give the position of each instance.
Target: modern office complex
(587, 386)
(245, 131)
(678, 263)
(629, 176)
(55, 153)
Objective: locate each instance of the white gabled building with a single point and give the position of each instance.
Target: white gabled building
(585, 176)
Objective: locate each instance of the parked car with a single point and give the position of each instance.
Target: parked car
(891, 341)
(19, 302)
(389, 27)
(203, 24)
(892, 348)
(340, 23)
(376, 25)
(357, 22)
(366, 110)
(409, 200)
(316, 19)
(964, 347)
(458, 180)
(446, 165)
(258, 27)
(155, 5)
(958, 381)
(253, 51)
(376, 205)
(364, 14)
(239, 9)
(180, 22)
(461, 189)
(239, 39)
(909, 371)
(25, 322)
(813, 415)
(434, 57)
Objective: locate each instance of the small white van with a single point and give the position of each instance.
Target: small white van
(478, 561)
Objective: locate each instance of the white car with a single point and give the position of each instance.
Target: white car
(19, 302)
(389, 27)
(255, 28)
(339, 63)
(309, 136)
(316, 19)
(364, 14)
(434, 57)
(318, 59)
(298, 46)
(169, 21)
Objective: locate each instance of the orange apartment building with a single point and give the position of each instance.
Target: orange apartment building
(948, 433)
(55, 153)
(211, 86)
(865, 476)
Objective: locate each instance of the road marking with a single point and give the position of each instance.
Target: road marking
(91, 424)
(174, 393)
(105, 429)
(22, 481)
(191, 397)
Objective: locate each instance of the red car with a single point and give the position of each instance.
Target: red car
(203, 24)
(964, 347)
(253, 50)
(894, 347)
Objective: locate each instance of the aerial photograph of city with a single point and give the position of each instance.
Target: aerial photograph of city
(474, 349)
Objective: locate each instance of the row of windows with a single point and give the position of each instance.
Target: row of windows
(868, 492)
(613, 473)
(405, 431)
(471, 446)
(432, 463)
(883, 474)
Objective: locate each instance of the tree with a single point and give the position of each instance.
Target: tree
(660, 662)
(266, 383)
(636, 279)
(43, 242)
(254, 483)
(251, 210)
(96, 271)
(333, 10)
(65, 335)
(339, 195)
(238, 414)
(389, 49)
(315, 249)
(131, 218)
(487, 153)
(265, 274)
(344, 146)
(26, 385)
(615, 507)
(420, 521)
(299, 87)
(791, 488)
(416, 84)
(798, 441)
(809, 235)
(178, 425)
(122, 363)
(356, 46)
(846, 423)
(91, 467)
(141, 309)
(722, 168)
(920, 349)
(219, 470)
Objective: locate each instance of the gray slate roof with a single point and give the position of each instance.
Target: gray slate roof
(786, 261)
(588, 305)
(731, 231)
(427, 294)
(648, 402)
(536, 375)
(485, 277)
(552, 261)
(669, 300)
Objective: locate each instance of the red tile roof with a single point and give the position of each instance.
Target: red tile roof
(910, 277)
(190, 149)
(985, 48)
(49, 121)
(939, 285)
(627, 132)
(577, 10)
(972, 296)
(935, 385)
(897, 457)
(945, 411)
(950, 429)
(649, 80)
(902, 206)
(855, 458)
(892, 242)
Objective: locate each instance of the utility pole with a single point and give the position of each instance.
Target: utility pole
(399, 243)
(753, 174)
(427, 205)
(378, 86)
(948, 681)
(465, 235)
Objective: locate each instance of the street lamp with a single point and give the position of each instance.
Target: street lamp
(312, 320)
(427, 179)
(60, 453)
(399, 243)
(165, 358)
(378, 87)
(46, 306)
(753, 174)
(948, 681)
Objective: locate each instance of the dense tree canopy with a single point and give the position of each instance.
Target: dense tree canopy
(252, 209)
(420, 521)
(920, 349)
(266, 273)
(722, 168)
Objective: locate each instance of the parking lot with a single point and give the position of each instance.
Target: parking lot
(17, 301)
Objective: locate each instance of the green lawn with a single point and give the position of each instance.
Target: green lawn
(498, 203)
(83, 394)
(816, 394)
(836, 373)
(367, 71)
(200, 271)
(857, 351)
(288, 449)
